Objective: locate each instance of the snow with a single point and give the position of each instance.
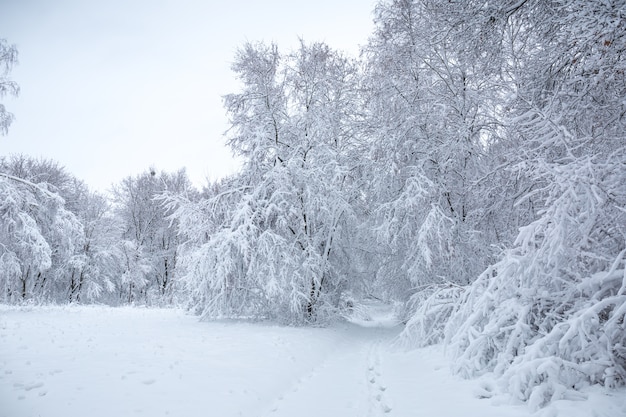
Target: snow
(101, 361)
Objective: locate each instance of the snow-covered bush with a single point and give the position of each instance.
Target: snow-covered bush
(427, 314)
(549, 317)
(586, 346)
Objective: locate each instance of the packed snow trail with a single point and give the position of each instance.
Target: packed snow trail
(104, 362)
(367, 377)
(349, 382)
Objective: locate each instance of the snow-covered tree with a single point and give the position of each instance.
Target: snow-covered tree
(546, 317)
(25, 253)
(149, 247)
(276, 251)
(432, 114)
(94, 270)
(556, 300)
(59, 235)
(8, 58)
(39, 237)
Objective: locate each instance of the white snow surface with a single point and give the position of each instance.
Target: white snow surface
(101, 361)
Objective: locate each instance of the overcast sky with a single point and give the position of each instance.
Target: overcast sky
(112, 87)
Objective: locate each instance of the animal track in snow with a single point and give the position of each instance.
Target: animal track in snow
(376, 388)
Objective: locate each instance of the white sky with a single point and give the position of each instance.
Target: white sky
(111, 87)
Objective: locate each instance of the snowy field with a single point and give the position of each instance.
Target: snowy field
(99, 361)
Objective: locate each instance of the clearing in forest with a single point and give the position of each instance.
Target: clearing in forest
(100, 361)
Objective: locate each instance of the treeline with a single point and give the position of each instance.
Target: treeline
(62, 243)
(470, 164)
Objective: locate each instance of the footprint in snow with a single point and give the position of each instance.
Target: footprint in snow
(33, 385)
(149, 381)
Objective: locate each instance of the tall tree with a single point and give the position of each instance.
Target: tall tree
(432, 116)
(275, 252)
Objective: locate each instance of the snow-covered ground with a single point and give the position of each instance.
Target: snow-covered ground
(99, 361)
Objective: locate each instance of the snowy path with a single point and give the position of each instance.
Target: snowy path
(348, 383)
(98, 361)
